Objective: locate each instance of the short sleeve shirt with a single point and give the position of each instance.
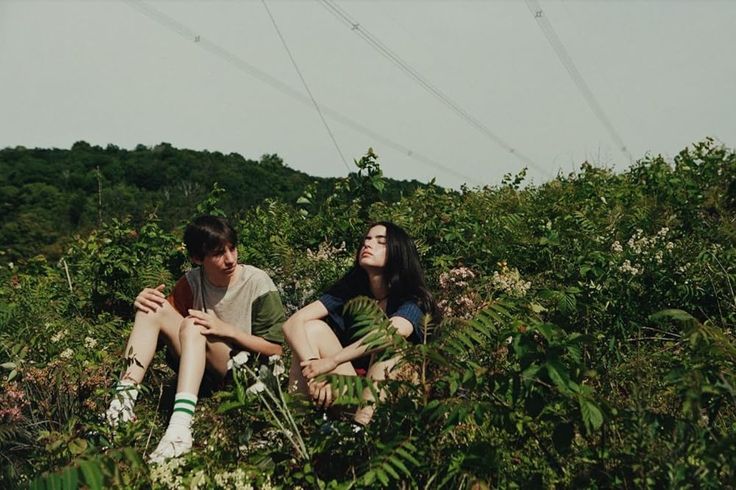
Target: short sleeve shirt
(407, 309)
(252, 304)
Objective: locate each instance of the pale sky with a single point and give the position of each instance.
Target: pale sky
(214, 75)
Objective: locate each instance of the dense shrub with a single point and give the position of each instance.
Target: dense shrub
(587, 341)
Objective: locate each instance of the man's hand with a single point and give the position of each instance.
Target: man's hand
(213, 326)
(150, 299)
(314, 367)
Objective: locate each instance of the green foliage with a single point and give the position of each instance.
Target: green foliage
(587, 339)
(47, 195)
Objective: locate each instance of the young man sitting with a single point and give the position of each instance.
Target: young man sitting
(215, 310)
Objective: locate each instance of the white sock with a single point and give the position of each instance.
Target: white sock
(184, 405)
(121, 406)
(178, 437)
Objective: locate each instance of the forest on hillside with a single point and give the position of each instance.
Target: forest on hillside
(587, 340)
(47, 195)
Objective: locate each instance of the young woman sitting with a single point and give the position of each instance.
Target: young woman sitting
(216, 309)
(386, 269)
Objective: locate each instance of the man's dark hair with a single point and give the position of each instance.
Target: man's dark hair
(208, 235)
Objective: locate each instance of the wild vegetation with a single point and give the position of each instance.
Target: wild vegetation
(587, 341)
(48, 195)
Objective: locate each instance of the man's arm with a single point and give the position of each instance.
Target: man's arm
(214, 327)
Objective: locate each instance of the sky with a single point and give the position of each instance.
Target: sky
(480, 88)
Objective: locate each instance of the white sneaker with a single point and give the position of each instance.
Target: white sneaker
(175, 442)
(120, 410)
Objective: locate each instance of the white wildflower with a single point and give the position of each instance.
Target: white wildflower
(90, 342)
(658, 256)
(58, 336)
(238, 360)
(256, 388)
(616, 247)
(233, 479)
(199, 480)
(627, 268)
(67, 354)
(669, 246)
(278, 366)
(166, 474)
(509, 281)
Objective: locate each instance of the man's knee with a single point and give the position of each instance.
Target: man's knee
(190, 332)
(164, 318)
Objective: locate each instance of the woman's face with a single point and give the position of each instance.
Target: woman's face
(372, 254)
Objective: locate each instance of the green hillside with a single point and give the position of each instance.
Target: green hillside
(48, 194)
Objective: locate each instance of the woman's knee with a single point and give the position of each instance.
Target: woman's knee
(316, 329)
(190, 333)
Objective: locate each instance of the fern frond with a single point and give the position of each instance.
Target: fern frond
(428, 328)
(478, 331)
(349, 389)
(374, 328)
(10, 433)
(391, 463)
(510, 221)
(584, 224)
(152, 274)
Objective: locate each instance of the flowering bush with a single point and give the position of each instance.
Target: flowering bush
(455, 296)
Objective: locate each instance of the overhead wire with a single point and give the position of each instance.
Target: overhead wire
(405, 67)
(249, 69)
(306, 87)
(562, 54)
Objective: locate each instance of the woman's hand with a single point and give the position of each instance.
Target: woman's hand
(314, 367)
(213, 326)
(150, 299)
(321, 393)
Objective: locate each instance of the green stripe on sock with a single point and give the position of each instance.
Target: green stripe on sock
(184, 409)
(184, 400)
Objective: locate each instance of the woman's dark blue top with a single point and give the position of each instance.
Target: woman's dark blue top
(407, 309)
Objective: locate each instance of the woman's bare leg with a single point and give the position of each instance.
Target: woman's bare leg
(324, 341)
(378, 371)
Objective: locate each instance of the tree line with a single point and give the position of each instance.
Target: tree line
(47, 195)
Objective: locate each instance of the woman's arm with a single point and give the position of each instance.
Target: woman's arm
(295, 333)
(315, 367)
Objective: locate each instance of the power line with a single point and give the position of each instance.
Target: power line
(394, 58)
(242, 65)
(546, 26)
(306, 87)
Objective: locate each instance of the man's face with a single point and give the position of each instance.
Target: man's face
(221, 266)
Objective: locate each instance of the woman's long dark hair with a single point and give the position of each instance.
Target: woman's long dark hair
(403, 273)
